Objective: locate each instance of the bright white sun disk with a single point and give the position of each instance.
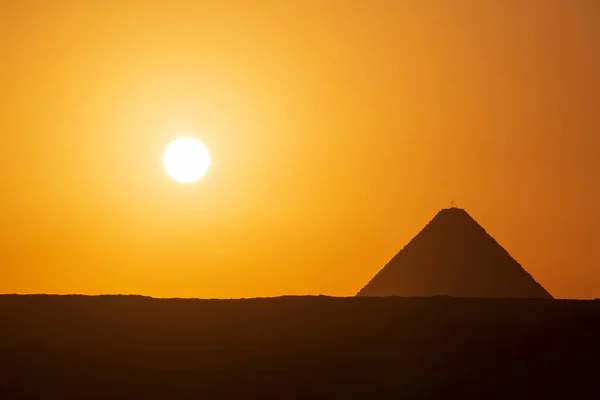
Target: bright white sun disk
(186, 159)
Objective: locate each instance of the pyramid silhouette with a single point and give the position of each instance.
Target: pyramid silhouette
(454, 256)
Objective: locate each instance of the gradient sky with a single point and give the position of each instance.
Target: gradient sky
(337, 129)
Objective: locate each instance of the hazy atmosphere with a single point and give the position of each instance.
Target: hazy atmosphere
(336, 130)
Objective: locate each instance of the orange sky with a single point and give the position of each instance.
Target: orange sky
(337, 130)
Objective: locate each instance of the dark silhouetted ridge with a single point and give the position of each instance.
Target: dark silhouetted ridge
(134, 347)
(454, 256)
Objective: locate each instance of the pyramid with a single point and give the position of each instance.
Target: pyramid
(454, 256)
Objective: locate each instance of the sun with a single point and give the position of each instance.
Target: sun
(186, 159)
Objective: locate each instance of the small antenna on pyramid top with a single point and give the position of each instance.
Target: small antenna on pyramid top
(453, 204)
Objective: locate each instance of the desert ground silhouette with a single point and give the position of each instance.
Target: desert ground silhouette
(107, 347)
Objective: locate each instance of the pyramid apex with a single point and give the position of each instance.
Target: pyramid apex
(453, 211)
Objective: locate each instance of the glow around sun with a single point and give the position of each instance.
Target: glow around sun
(186, 159)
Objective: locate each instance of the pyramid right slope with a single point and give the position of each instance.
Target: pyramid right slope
(454, 256)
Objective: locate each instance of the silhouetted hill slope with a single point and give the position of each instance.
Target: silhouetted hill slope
(134, 347)
(454, 256)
